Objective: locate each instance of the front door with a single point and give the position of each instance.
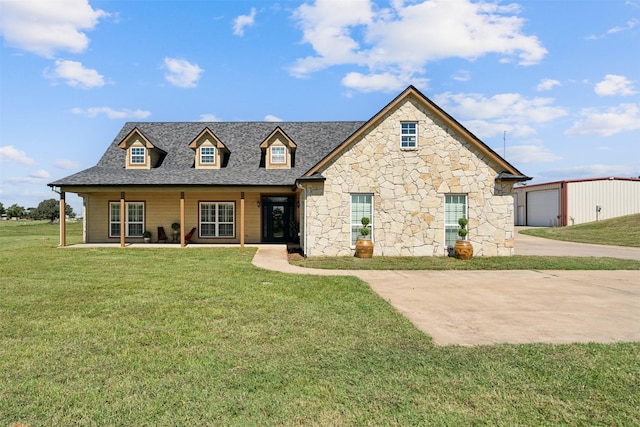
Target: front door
(277, 214)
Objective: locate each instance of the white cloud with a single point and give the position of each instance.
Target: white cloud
(44, 27)
(509, 112)
(243, 21)
(400, 40)
(623, 118)
(630, 25)
(36, 177)
(9, 153)
(209, 118)
(531, 154)
(111, 113)
(182, 73)
(462, 76)
(272, 118)
(385, 82)
(66, 164)
(547, 84)
(75, 74)
(615, 85)
(40, 174)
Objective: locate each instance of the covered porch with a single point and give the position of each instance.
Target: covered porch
(218, 216)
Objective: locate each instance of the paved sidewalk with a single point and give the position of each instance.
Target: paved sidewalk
(488, 307)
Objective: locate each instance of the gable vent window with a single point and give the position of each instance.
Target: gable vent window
(409, 132)
(137, 156)
(207, 155)
(278, 155)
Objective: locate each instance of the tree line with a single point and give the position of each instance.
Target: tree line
(47, 209)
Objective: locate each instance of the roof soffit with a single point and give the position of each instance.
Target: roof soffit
(206, 132)
(278, 131)
(128, 140)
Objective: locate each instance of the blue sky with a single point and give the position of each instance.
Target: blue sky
(559, 81)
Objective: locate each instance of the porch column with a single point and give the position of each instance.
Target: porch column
(122, 222)
(182, 244)
(242, 219)
(63, 222)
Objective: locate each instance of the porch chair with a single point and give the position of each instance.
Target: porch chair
(162, 235)
(189, 235)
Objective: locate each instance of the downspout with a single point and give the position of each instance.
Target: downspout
(303, 218)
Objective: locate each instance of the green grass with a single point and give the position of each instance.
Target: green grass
(478, 263)
(621, 231)
(201, 337)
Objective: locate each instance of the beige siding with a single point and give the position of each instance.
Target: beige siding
(163, 209)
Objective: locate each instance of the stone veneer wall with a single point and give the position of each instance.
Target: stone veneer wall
(409, 188)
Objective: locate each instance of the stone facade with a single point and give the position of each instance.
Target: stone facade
(409, 188)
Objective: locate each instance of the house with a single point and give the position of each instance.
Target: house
(411, 168)
(572, 202)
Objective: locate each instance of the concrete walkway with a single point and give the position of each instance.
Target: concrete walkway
(516, 306)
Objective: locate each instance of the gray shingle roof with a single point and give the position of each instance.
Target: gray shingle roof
(314, 141)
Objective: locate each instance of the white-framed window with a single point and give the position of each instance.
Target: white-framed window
(278, 154)
(409, 134)
(134, 219)
(217, 219)
(138, 156)
(207, 155)
(455, 207)
(361, 205)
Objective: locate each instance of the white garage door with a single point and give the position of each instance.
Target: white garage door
(543, 208)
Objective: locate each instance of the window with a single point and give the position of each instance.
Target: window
(137, 156)
(409, 135)
(278, 154)
(134, 219)
(216, 219)
(207, 155)
(361, 205)
(455, 207)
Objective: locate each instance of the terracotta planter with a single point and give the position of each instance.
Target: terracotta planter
(364, 248)
(463, 249)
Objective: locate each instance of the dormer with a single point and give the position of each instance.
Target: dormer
(278, 150)
(210, 151)
(141, 153)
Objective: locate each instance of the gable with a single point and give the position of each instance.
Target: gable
(278, 150)
(141, 153)
(431, 112)
(210, 152)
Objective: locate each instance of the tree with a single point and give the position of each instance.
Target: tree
(2, 210)
(50, 209)
(15, 211)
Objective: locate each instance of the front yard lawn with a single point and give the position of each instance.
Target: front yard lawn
(202, 337)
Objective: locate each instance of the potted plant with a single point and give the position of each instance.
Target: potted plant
(146, 236)
(463, 249)
(175, 231)
(364, 245)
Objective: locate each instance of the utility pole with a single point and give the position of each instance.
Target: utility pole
(504, 145)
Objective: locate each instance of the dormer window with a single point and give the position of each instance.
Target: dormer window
(278, 150)
(207, 155)
(211, 153)
(141, 153)
(278, 154)
(138, 155)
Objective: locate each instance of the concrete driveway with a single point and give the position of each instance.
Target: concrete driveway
(489, 307)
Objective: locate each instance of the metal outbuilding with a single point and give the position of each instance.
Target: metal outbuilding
(574, 202)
